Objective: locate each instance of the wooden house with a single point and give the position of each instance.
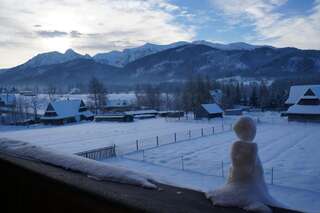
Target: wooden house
(307, 107)
(171, 114)
(118, 117)
(297, 91)
(66, 111)
(118, 105)
(208, 111)
(143, 114)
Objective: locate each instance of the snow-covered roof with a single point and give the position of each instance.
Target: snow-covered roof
(141, 112)
(304, 109)
(8, 99)
(296, 92)
(212, 108)
(66, 108)
(117, 103)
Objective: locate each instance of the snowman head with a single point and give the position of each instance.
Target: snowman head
(245, 128)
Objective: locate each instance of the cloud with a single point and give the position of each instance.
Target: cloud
(272, 26)
(75, 34)
(51, 34)
(64, 25)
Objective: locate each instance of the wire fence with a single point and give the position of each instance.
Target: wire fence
(139, 150)
(272, 176)
(157, 141)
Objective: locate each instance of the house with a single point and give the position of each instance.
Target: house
(297, 91)
(119, 117)
(208, 111)
(118, 105)
(66, 111)
(171, 114)
(27, 93)
(143, 114)
(307, 106)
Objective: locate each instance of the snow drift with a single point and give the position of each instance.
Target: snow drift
(93, 169)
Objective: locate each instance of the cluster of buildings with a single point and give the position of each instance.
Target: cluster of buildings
(303, 105)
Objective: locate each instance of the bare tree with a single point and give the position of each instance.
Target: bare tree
(97, 95)
(52, 90)
(148, 96)
(195, 92)
(35, 103)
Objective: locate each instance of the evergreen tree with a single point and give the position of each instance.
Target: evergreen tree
(253, 97)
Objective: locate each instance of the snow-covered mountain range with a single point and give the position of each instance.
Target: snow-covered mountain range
(121, 58)
(54, 58)
(165, 63)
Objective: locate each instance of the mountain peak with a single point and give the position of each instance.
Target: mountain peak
(54, 57)
(69, 51)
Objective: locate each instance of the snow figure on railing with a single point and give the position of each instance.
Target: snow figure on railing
(246, 187)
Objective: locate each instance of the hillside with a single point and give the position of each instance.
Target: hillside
(169, 65)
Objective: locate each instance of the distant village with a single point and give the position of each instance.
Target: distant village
(199, 98)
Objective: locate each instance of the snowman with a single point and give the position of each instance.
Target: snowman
(245, 187)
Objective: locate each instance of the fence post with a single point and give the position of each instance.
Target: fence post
(175, 137)
(137, 145)
(222, 170)
(213, 130)
(272, 176)
(114, 150)
(182, 163)
(201, 132)
(157, 140)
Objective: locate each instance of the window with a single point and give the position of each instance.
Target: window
(50, 114)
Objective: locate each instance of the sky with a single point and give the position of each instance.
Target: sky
(30, 27)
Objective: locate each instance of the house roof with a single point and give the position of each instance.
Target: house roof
(304, 109)
(117, 103)
(296, 92)
(67, 108)
(212, 108)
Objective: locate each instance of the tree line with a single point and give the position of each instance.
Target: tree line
(196, 90)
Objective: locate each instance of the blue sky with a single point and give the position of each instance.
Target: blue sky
(90, 26)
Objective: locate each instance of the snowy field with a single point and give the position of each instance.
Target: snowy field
(85, 136)
(291, 149)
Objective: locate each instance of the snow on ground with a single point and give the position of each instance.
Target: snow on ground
(85, 136)
(291, 149)
(293, 198)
